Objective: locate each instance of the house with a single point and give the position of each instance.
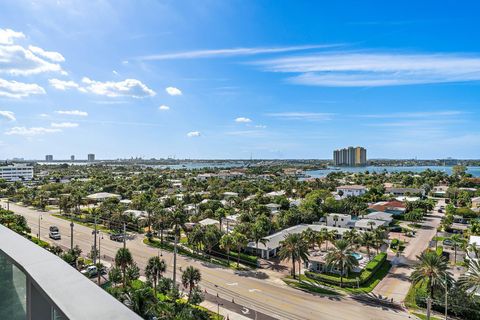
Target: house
(394, 207)
(382, 216)
(439, 191)
(475, 202)
(275, 194)
(274, 208)
(317, 263)
(273, 242)
(135, 213)
(339, 220)
(229, 222)
(369, 224)
(404, 191)
(209, 222)
(229, 195)
(407, 199)
(351, 190)
(190, 209)
(102, 196)
(474, 241)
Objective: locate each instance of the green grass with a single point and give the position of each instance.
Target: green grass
(410, 301)
(309, 285)
(424, 317)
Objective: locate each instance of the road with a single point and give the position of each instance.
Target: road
(257, 291)
(396, 284)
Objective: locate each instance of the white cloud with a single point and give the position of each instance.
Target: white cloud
(15, 89)
(18, 61)
(72, 113)
(9, 115)
(230, 52)
(164, 107)
(50, 55)
(414, 114)
(8, 35)
(129, 87)
(64, 85)
(352, 69)
(311, 116)
(33, 131)
(193, 134)
(243, 120)
(44, 115)
(173, 91)
(64, 125)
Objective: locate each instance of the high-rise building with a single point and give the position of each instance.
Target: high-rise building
(16, 172)
(91, 157)
(48, 158)
(72, 158)
(351, 156)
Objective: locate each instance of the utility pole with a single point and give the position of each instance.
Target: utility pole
(99, 269)
(175, 260)
(71, 231)
(429, 306)
(95, 243)
(124, 236)
(446, 298)
(39, 219)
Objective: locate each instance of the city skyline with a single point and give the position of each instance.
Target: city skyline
(125, 80)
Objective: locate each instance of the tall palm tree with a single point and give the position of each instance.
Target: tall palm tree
(310, 237)
(341, 258)
(367, 239)
(123, 259)
(371, 224)
(241, 241)
(379, 236)
(177, 220)
(470, 281)
(154, 269)
(352, 236)
(160, 220)
(293, 249)
(431, 268)
(331, 236)
(457, 241)
(321, 238)
(190, 279)
(226, 243)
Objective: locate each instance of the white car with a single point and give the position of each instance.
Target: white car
(55, 235)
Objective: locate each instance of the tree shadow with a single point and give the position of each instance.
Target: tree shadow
(378, 301)
(252, 274)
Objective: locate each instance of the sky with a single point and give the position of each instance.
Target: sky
(239, 79)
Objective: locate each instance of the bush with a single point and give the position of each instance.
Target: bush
(376, 262)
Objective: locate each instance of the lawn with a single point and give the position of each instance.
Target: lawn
(424, 317)
(307, 284)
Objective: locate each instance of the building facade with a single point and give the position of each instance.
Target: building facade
(49, 158)
(351, 157)
(16, 172)
(91, 157)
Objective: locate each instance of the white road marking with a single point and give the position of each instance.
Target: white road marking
(232, 284)
(245, 310)
(254, 290)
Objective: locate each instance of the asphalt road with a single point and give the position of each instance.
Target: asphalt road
(260, 291)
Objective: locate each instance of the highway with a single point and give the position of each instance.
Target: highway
(262, 291)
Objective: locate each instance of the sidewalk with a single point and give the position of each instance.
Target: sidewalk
(227, 314)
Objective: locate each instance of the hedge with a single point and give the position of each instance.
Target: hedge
(351, 280)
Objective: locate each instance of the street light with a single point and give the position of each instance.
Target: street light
(39, 219)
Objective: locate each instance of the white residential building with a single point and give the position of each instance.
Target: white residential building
(351, 190)
(339, 220)
(369, 224)
(382, 216)
(476, 202)
(16, 172)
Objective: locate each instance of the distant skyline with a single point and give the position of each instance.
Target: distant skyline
(239, 79)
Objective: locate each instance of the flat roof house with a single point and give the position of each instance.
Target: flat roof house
(405, 191)
(102, 196)
(369, 224)
(339, 220)
(382, 216)
(351, 190)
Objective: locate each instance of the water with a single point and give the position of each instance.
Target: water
(474, 171)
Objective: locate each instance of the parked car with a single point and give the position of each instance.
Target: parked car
(396, 229)
(54, 229)
(440, 211)
(92, 271)
(55, 235)
(117, 237)
(448, 242)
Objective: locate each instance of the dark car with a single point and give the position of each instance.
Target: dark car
(54, 229)
(448, 242)
(396, 229)
(117, 237)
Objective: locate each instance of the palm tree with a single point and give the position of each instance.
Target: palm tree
(470, 281)
(240, 241)
(457, 241)
(379, 236)
(258, 234)
(177, 220)
(160, 221)
(352, 236)
(310, 237)
(123, 259)
(431, 268)
(367, 239)
(331, 236)
(371, 224)
(226, 243)
(190, 278)
(154, 269)
(293, 249)
(195, 237)
(142, 301)
(341, 258)
(321, 238)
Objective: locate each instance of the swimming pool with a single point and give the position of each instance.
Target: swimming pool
(357, 256)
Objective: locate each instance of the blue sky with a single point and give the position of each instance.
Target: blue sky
(234, 79)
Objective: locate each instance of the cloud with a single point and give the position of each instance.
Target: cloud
(311, 116)
(128, 87)
(72, 113)
(164, 107)
(64, 125)
(50, 55)
(7, 36)
(173, 91)
(33, 131)
(230, 52)
(17, 60)
(64, 85)
(193, 134)
(15, 89)
(353, 69)
(243, 120)
(9, 115)
(413, 114)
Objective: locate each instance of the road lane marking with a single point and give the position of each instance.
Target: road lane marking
(254, 290)
(232, 284)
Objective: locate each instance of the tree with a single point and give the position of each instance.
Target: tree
(142, 301)
(431, 268)
(379, 237)
(341, 258)
(226, 243)
(293, 248)
(177, 221)
(457, 241)
(352, 236)
(115, 275)
(368, 240)
(470, 281)
(123, 259)
(154, 269)
(310, 237)
(160, 221)
(190, 279)
(240, 242)
(321, 238)
(132, 272)
(211, 238)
